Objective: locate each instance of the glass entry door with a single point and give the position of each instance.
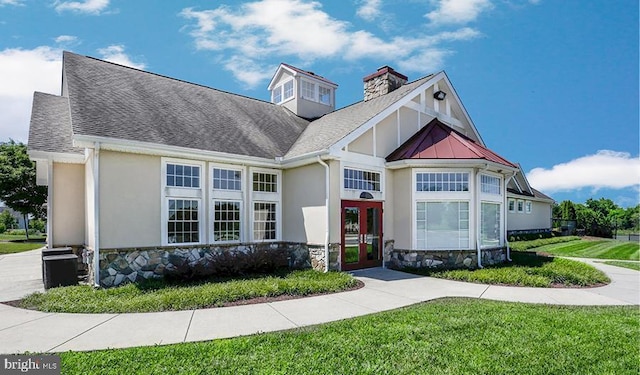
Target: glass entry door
(361, 234)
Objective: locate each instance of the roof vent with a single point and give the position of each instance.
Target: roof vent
(382, 82)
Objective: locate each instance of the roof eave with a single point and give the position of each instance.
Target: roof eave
(59, 157)
(455, 163)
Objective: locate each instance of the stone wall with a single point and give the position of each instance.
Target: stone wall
(444, 258)
(119, 266)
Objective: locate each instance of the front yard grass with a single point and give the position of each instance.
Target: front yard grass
(160, 295)
(630, 265)
(527, 269)
(447, 336)
(585, 248)
(10, 247)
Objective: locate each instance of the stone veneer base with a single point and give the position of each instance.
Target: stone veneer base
(445, 259)
(118, 266)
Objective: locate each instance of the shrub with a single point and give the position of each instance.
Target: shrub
(20, 232)
(3, 228)
(530, 236)
(37, 225)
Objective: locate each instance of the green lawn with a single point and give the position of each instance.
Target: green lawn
(7, 247)
(527, 269)
(159, 295)
(21, 237)
(448, 336)
(630, 265)
(601, 249)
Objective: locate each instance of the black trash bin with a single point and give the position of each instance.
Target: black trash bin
(54, 251)
(60, 270)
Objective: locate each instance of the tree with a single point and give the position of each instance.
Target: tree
(7, 221)
(566, 211)
(18, 187)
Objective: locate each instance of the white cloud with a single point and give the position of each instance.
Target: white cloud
(88, 6)
(115, 54)
(369, 10)
(255, 31)
(604, 170)
(11, 2)
(457, 11)
(23, 72)
(66, 39)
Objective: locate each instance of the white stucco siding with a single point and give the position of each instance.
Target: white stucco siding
(364, 144)
(409, 124)
(402, 208)
(129, 200)
(539, 218)
(68, 217)
(387, 135)
(304, 204)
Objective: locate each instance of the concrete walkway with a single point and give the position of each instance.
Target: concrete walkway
(25, 330)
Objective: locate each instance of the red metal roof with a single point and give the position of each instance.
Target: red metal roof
(438, 141)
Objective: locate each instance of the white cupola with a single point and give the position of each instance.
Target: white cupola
(304, 93)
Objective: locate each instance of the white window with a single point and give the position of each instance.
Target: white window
(288, 90)
(356, 179)
(179, 175)
(520, 206)
(227, 179)
(276, 95)
(442, 225)
(512, 205)
(308, 90)
(226, 204)
(489, 225)
(181, 206)
(266, 204)
(264, 221)
(490, 184)
(183, 224)
(442, 181)
(265, 182)
(325, 95)
(227, 221)
(527, 207)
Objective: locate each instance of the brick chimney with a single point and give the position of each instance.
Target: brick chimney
(382, 82)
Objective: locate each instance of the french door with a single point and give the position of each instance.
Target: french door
(361, 234)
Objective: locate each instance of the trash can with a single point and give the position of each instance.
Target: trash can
(60, 270)
(54, 251)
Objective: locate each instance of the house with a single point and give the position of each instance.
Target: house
(147, 173)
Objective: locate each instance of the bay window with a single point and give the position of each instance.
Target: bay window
(489, 224)
(442, 225)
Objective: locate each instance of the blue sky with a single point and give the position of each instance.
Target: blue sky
(550, 84)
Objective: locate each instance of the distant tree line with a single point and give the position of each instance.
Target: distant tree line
(600, 217)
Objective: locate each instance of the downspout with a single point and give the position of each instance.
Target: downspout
(506, 214)
(478, 206)
(326, 205)
(49, 204)
(96, 215)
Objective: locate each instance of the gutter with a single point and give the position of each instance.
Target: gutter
(96, 215)
(326, 202)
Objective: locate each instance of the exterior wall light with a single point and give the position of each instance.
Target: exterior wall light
(439, 95)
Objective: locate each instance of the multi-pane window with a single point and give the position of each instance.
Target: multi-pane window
(520, 206)
(179, 175)
(325, 95)
(226, 221)
(490, 184)
(308, 90)
(276, 95)
(512, 205)
(264, 221)
(527, 207)
(489, 225)
(227, 179)
(442, 225)
(442, 181)
(288, 90)
(183, 225)
(265, 182)
(356, 179)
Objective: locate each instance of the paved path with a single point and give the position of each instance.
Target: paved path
(25, 330)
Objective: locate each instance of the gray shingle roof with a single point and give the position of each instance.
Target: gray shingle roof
(332, 127)
(114, 101)
(50, 129)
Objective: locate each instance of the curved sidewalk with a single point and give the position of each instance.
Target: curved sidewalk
(34, 331)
